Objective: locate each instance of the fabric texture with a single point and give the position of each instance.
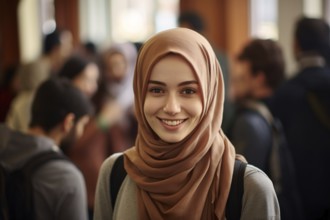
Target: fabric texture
(258, 195)
(192, 178)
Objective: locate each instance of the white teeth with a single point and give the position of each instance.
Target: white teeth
(172, 123)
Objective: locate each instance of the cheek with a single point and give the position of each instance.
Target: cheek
(195, 109)
(151, 106)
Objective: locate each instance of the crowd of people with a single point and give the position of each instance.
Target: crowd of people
(179, 118)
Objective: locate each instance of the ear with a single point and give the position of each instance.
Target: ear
(68, 122)
(81, 125)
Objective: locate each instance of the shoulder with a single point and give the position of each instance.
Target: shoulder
(250, 118)
(256, 180)
(249, 123)
(103, 207)
(259, 199)
(289, 88)
(105, 171)
(60, 173)
(108, 164)
(60, 191)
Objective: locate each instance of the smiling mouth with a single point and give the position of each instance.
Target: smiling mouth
(172, 122)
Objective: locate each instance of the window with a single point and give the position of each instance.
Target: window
(264, 19)
(136, 20)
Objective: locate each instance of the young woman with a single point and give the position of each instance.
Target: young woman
(182, 164)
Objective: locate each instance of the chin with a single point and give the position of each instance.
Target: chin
(171, 140)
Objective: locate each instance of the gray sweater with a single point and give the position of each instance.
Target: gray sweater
(59, 188)
(259, 199)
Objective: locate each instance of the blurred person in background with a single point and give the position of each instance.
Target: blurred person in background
(259, 70)
(117, 70)
(93, 147)
(57, 46)
(89, 50)
(303, 106)
(256, 133)
(59, 113)
(83, 73)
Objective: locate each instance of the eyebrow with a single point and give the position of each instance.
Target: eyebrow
(181, 84)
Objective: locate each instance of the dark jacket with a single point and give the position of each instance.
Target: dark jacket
(308, 139)
(252, 137)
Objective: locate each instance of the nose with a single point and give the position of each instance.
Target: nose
(172, 105)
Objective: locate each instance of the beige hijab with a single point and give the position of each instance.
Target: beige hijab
(190, 179)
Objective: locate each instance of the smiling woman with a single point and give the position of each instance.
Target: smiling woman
(182, 164)
(173, 103)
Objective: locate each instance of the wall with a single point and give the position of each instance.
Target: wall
(289, 11)
(29, 30)
(227, 21)
(9, 46)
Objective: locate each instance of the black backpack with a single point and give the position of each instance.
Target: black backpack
(234, 203)
(16, 188)
(280, 167)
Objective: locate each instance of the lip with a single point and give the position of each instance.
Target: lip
(172, 124)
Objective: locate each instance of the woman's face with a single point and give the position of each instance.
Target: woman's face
(87, 80)
(173, 104)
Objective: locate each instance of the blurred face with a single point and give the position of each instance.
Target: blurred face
(241, 81)
(87, 80)
(75, 133)
(173, 104)
(116, 67)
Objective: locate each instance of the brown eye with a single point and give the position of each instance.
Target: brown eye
(156, 90)
(188, 91)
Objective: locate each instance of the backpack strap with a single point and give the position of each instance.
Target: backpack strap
(31, 167)
(117, 176)
(234, 204)
(319, 109)
(22, 178)
(40, 159)
(275, 172)
(3, 200)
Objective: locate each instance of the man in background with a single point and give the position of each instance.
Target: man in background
(57, 46)
(59, 114)
(259, 70)
(303, 106)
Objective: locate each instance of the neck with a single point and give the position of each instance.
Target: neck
(310, 60)
(53, 134)
(262, 93)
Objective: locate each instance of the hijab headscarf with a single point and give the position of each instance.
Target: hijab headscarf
(190, 179)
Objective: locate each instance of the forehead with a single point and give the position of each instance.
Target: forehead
(172, 67)
(115, 56)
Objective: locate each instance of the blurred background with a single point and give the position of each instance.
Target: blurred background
(229, 23)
